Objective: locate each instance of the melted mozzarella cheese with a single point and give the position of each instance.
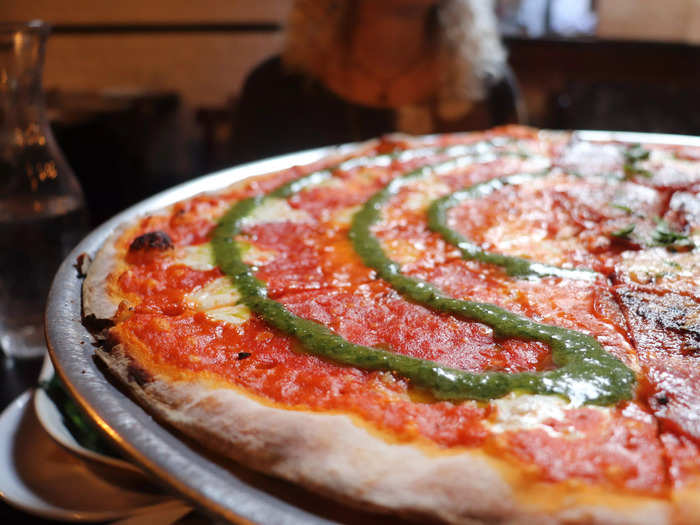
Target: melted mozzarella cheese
(237, 314)
(254, 256)
(592, 158)
(219, 292)
(669, 169)
(528, 412)
(201, 256)
(330, 183)
(343, 217)
(197, 257)
(525, 240)
(219, 301)
(275, 210)
(424, 193)
(655, 264)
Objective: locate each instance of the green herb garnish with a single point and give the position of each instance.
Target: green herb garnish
(674, 264)
(631, 170)
(623, 233)
(633, 155)
(622, 207)
(664, 236)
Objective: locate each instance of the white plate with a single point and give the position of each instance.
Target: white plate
(51, 419)
(42, 478)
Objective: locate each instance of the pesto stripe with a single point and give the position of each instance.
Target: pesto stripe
(514, 266)
(587, 373)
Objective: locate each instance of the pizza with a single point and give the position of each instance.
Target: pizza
(492, 327)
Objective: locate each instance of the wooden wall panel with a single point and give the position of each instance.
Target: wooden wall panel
(669, 21)
(204, 68)
(144, 11)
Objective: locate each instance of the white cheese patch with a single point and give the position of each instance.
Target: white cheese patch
(687, 204)
(217, 293)
(633, 196)
(363, 162)
(253, 255)
(657, 263)
(670, 169)
(534, 164)
(524, 240)
(528, 412)
(330, 183)
(201, 256)
(237, 314)
(424, 193)
(343, 217)
(275, 210)
(592, 158)
(668, 158)
(219, 301)
(197, 257)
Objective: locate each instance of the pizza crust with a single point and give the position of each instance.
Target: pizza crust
(97, 301)
(332, 455)
(335, 455)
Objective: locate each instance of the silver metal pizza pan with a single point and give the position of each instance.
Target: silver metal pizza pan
(220, 487)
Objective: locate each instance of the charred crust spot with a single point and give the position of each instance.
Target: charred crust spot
(82, 263)
(155, 240)
(138, 375)
(672, 312)
(95, 325)
(243, 355)
(626, 242)
(662, 399)
(109, 342)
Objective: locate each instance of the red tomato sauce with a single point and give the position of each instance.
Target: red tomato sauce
(316, 274)
(622, 448)
(278, 372)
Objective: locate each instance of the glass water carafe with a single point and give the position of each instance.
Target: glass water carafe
(42, 210)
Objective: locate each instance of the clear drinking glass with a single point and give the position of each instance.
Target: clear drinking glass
(42, 209)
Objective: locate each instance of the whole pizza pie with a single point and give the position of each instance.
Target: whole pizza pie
(497, 327)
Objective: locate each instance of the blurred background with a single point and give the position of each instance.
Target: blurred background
(143, 95)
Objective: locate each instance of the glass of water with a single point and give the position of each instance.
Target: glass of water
(42, 210)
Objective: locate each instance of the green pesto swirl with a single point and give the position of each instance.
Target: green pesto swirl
(586, 373)
(514, 266)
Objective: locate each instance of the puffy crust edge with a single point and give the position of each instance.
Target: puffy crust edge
(330, 454)
(97, 301)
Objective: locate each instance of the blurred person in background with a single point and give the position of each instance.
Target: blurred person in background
(354, 69)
